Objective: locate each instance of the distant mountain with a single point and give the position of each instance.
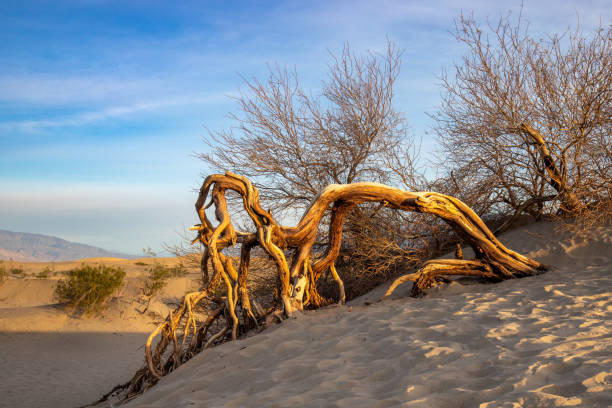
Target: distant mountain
(22, 246)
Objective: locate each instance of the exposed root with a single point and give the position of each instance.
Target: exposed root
(336, 277)
(235, 314)
(434, 270)
(402, 279)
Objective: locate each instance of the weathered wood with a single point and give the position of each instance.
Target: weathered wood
(298, 279)
(493, 260)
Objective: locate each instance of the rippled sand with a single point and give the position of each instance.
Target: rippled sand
(542, 341)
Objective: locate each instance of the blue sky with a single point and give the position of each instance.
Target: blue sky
(104, 103)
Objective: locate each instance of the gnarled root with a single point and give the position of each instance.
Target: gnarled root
(434, 271)
(297, 279)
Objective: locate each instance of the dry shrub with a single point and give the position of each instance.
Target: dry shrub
(525, 122)
(587, 218)
(45, 273)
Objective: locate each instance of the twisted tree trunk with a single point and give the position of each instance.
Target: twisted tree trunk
(298, 278)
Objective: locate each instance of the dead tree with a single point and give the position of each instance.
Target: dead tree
(297, 268)
(293, 142)
(530, 118)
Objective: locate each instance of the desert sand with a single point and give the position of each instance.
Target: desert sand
(52, 358)
(542, 341)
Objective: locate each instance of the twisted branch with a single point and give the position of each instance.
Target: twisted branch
(297, 285)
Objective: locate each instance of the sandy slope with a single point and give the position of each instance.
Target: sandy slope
(49, 358)
(534, 342)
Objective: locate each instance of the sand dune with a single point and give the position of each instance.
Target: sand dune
(50, 358)
(543, 341)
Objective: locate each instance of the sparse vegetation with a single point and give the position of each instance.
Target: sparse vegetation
(158, 276)
(3, 273)
(88, 288)
(139, 263)
(45, 273)
(18, 272)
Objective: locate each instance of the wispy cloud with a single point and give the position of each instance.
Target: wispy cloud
(90, 117)
(61, 88)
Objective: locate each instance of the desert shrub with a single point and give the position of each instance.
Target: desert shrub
(88, 288)
(139, 263)
(525, 122)
(45, 273)
(158, 276)
(17, 271)
(3, 273)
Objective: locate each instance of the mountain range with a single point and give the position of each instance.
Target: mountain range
(26, 247)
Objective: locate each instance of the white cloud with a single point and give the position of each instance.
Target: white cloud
(60, 89)
(360, 19)
(88, 117)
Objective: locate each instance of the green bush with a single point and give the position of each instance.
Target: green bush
(88, 288)
(158, 275)
(17, 271)
(45, 273)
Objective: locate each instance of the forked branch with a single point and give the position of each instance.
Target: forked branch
(297, 278)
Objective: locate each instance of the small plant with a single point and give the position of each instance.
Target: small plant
(3, 273)
(45, 273)
(149, 252)
(88, 288)
(139, 263)
(158, 276)
(17, 271)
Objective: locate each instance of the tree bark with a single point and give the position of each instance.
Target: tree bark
(298, 279)
(557, 178)
(493, 260)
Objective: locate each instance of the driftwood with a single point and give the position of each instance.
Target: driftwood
(298, 275)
